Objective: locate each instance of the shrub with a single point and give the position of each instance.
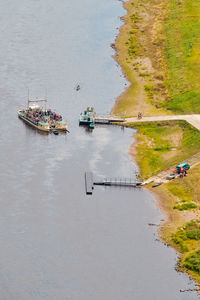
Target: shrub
(192, 261)
(185, 206)
(179, 242)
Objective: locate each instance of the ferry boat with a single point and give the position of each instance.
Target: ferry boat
(43, 119)
(87, 117)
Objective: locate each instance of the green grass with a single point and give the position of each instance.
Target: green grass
(192, 261)
(190, 230)
(186, 236)
(180, 190)
(182, 30)
(156, 142)
(132, 43)
(185, 206)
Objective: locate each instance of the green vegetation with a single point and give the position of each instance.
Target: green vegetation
(172, 44)
(183, 56)
(164, 144)
(179, 242)
(187, 236)
(192, 261)
(132, 43)
(185, 206)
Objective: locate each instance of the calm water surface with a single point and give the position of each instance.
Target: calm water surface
(56, 242)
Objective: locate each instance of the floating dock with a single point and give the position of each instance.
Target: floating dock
(89, 184)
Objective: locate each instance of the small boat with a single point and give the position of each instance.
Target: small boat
(56, 132)
(78, 87)
(92, 125)
(156, 184)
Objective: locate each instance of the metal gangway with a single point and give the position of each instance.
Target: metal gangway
(124, 182)
(107, 119)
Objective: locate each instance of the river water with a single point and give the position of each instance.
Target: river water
(56, 242)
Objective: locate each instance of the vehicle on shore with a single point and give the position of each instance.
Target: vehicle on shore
(43, 119)
(183, 166)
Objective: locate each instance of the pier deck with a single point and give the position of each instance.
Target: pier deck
(89, 182)
(118, 183)
(100, 119)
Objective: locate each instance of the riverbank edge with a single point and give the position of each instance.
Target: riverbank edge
(163, 202)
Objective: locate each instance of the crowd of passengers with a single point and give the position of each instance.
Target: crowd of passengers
(38, 115)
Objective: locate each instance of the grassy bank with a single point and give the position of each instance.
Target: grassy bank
(164, 144)
(158, 49)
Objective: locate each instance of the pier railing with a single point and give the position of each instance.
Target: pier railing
(120, 182)
(106, 119)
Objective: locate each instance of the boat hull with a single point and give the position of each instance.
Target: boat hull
(61, 128)
(85, 122)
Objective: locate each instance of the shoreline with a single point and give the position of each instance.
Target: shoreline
(138, 70)
(172, 218)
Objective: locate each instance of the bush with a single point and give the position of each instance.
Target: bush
(191, 231)
(192, 261)
(178, 240)
(185, 206)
